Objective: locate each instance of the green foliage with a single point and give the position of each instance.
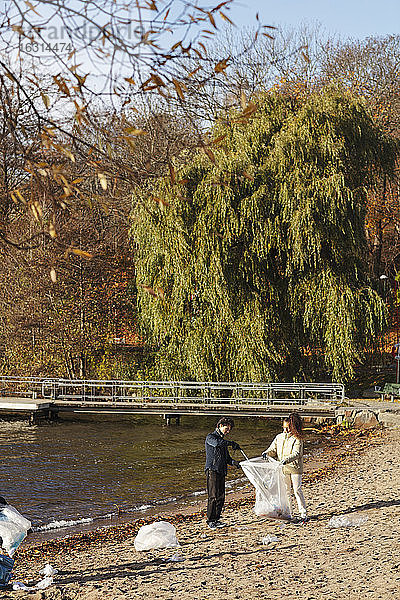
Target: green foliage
(253, 267)
(131, 365)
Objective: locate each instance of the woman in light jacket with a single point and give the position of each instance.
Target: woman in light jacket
(287, 447)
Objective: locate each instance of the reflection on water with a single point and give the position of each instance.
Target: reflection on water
(85, 469)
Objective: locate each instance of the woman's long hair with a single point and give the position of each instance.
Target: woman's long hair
(295, 425)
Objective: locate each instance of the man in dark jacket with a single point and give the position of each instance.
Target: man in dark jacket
(217, 459)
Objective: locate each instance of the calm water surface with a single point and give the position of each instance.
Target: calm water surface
(69, 471)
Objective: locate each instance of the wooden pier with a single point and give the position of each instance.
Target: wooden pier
(31, 408)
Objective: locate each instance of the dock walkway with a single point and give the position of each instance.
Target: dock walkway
(171, 399)
(34, 408)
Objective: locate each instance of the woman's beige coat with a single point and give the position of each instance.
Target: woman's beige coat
(289, 448)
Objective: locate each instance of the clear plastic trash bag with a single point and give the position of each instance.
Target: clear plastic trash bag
(347, 521)
(272, 499)
(159, 534)
(13, 528)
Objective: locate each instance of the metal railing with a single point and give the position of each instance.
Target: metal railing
(178, 392)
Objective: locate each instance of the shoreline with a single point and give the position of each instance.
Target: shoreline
(319, 465)
(356, 478)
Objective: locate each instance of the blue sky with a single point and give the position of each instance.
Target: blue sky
(344, 18)
(348, 18)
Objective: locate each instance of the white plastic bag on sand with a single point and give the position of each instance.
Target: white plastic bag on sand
(271, 494)
(269, 539)
(42, 585)
(175, 558)
(48, 570)
(13, 528)
(347, 521)
(11, 514)
(159, 534)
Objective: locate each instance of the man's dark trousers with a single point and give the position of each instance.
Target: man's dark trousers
(216, 495)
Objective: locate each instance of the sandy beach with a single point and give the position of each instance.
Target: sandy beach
(358, 478)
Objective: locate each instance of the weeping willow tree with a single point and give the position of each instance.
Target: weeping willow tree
(251, 260)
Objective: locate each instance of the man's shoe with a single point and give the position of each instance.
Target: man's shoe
(300, 520)
(220, 524)
(212, 525)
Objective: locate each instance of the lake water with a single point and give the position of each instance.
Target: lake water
(71, 472)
